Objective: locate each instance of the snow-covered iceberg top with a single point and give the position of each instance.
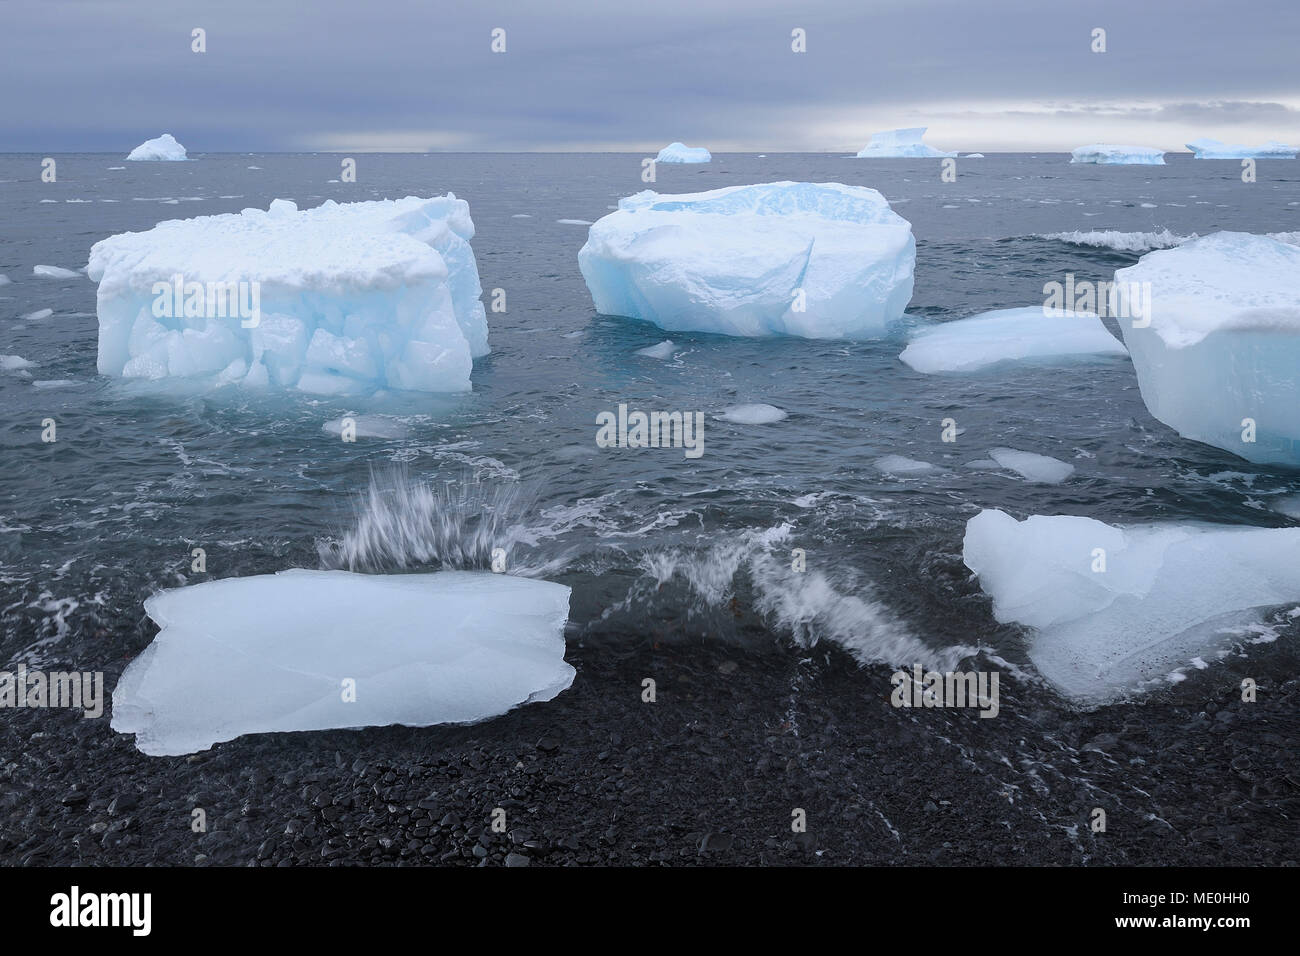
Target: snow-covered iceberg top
(818, 260)
(314, 650)
(341, 299)
(164, 148)
(899, 143)
(1118, 155)
(680, 153)
(1032, 334)
(1113, 607)
(1205, 148)
(1223, 341)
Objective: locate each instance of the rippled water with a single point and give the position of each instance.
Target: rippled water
(654, 544)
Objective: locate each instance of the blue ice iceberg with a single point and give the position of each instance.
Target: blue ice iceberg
(1213, 149)
(1218, 360)
(343, 299)
(1104, 155)
(896, 143)
(680, 153)
(817, 260)
(164, 148)
(314, 650)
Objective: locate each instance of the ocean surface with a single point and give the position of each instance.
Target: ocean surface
(655, 545)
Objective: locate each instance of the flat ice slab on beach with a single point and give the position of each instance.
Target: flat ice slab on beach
(164, 148)
(1031, 334)
(1206, 148)
(1223, 344)
(315, 650)
(817, 260)
(1106, 155)
(1169, 592)
(681, 153)
(900, 143)
(350, 298)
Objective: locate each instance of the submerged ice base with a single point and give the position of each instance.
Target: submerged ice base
(1168, 593)
(349, 298)
(1218, 361)
(316, 650)
(1030, 334)
(817, 260)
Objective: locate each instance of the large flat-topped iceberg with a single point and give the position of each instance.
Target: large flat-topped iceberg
(1031, 334)
(314, 650)
(817, 260)
(1205, 148)
(341, 299)
(164, 148)
(900, 143)
(1113, 607)
(680, 153)
(1118, 155)
(1218, 361)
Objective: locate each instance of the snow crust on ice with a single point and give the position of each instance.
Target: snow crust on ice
(680, 153)
(1009, 335)
(1118, 155)
(1205, 148)
(756, 414)
(354, 297)
(1040, 469)
(1223, 343)
(1166, 595)
(896, 143)
(163, 148)
(734, 260)
(271, 652)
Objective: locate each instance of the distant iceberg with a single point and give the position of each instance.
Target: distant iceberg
(817, 260)
(1113, 607)
(315, 650)
(680, 153)
(973, 156)
(342, 299)
(163, 148)
(1223, 343)
(897, 143)
(1028, 334)
(1213, 149)
(1118, 155)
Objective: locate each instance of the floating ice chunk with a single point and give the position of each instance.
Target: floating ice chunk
(55, 383)
(55, 272)
(1040, 469)
(898, 465)
(164, 148)
(313, 650)
(367, 426)
(1167, 592)
(574, 222)
(664, 350)
(350, 298)
(13, 363)
(757, 414)
(1223, 343)
(1118, 155)
(896, 143)
(679, 153)
(1206, 148)
(38, 315)
(4, 279)
(818, 260)
(1009, 335)
(973, 156)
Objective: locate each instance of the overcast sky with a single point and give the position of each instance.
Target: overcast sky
(364, 75)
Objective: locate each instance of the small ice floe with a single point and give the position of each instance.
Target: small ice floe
(4, 279)
(574, 222)
(55, 383)
(664, 350)
(756, 414)
(55, 272)
(38, 315)
(973, 156)
(315, 650)
(903, 467)
(367, 426)
(1039, 469)
(14, 363)
(521, 215)
(1031, 334)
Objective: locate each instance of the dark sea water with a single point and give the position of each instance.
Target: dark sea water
(654, 545)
